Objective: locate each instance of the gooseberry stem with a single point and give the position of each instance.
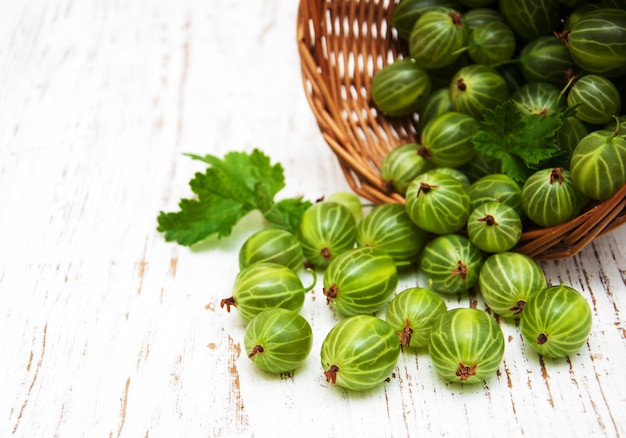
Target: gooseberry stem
(331, 374)
(424, 153)
(563, 36)
(405, 336)
(314, 274)
(489, 220)
(556, 175)
(330, 293)
(256, 350)
(571, 78)
(465, 372)
(462, 49)
(518, 308)
(456, 19)
(403, 264)
(460, 270)
(616, 132)
(325, 252)
(230, 301)
(506, 62)
(425, 188)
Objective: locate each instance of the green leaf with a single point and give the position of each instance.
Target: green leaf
(494, 133)
(237, 175)
(536, 140)
(262, 197)
(198, 220)
(515, 168)
(287, 213)
(521, 142)
(227, 191)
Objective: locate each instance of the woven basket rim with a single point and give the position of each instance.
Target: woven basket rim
(341, 44)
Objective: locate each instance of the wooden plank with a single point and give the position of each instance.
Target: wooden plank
(108, 330)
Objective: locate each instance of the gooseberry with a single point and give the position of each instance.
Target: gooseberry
(412, 312)
(466, 345)
(278, 340)
(556, 321)
(359, 352)
(360, 281)
(264, 286)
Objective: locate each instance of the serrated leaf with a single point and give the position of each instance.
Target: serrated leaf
(197, 220)
(262, 197)
(521, 142)
(228, 190)
(495, 136)
(515, 168)
(536, 141)
(287, 213)
(239, 172)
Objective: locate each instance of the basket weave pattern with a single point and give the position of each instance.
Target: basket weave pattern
(342, 44)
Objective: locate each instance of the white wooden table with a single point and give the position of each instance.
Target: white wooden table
(108, 330)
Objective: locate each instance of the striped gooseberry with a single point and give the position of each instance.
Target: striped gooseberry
(466, 345)
(402, 165)
(556, 321)
(497, 187)
(491, 42)
(360, 352)
(438, 103)
(388, 227)
(580, 8)
(360, 281)
(597, 42)
(494, 227)
(437, 202)
(456, 173)
(447, 139)
(271, 245)
(571, 132)
(598, 164)
(595, 98)
(412, 312)
(437, 37)
(399, 88)
(476, 17)
(530, 19)
(546, 59)
(278, 340)
(550, 197)
(537, 98)
(451, 263)
(407, 12)
(349, 200)
(506, 281)
(326, 230)
(477, 87)
(266, 285)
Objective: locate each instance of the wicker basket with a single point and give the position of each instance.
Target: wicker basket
(342, 43)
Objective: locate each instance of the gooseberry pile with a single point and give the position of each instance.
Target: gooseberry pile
(360, 284)
(464, 212)
(473, 69)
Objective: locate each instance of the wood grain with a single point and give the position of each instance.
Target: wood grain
(108, 330)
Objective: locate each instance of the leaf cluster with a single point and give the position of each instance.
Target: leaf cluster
(519, 143)
(228, 190)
